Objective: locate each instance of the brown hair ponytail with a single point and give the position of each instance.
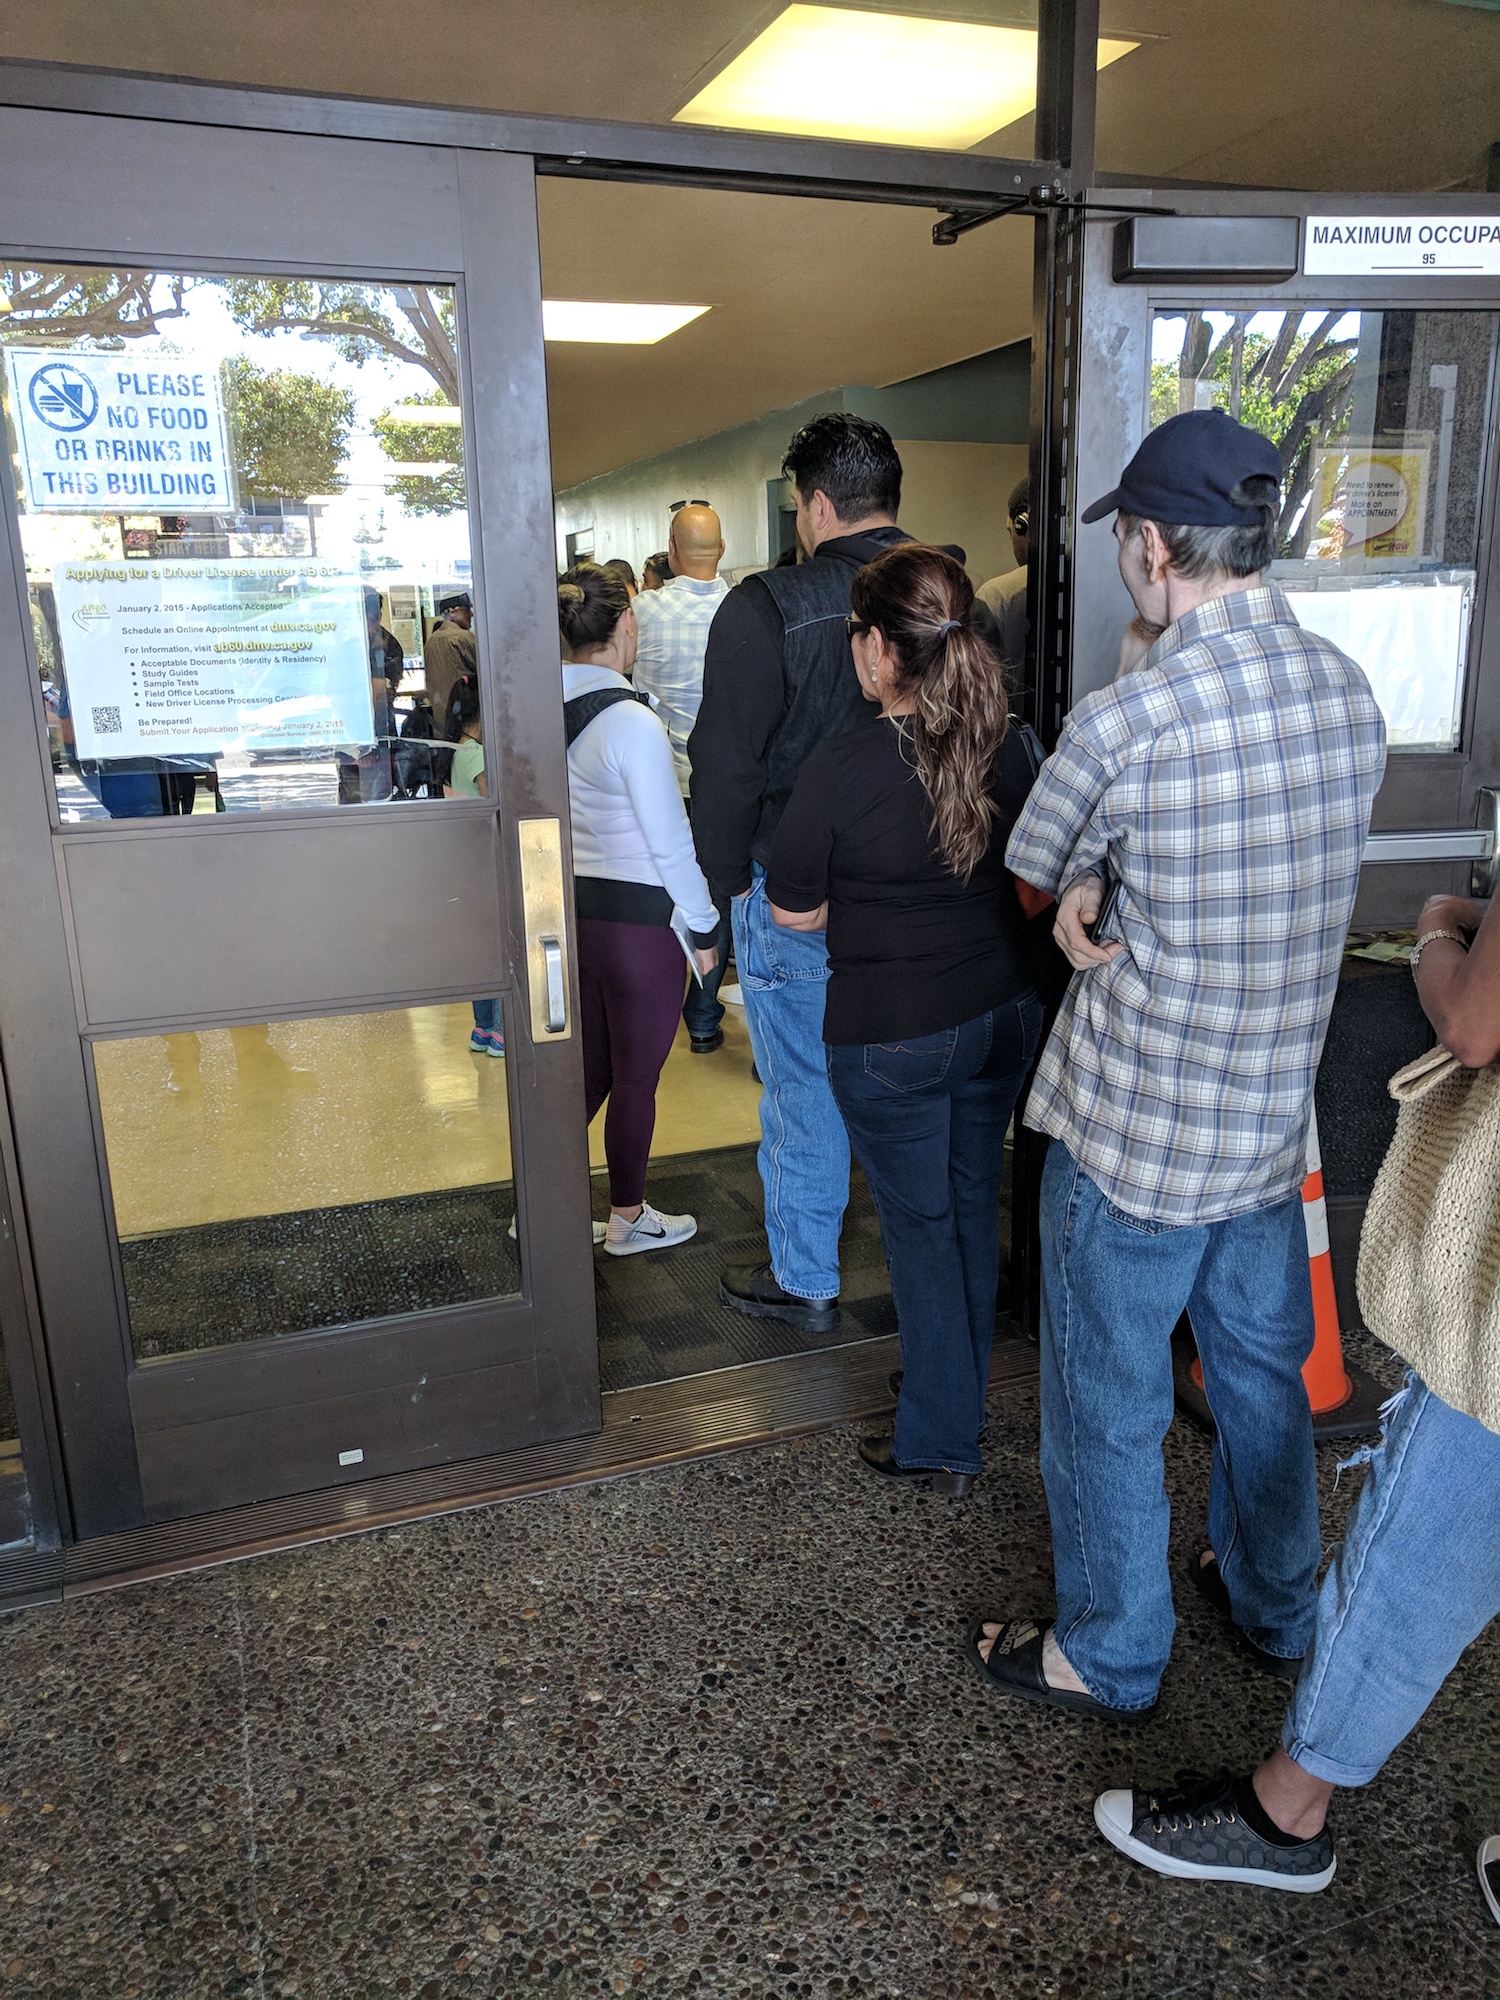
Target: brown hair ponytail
(922, 602)
(591, 601)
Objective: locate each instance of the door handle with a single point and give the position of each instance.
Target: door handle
(546, 921)
(557, 987)
(1484, 877)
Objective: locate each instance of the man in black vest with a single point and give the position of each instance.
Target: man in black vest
(778, 678)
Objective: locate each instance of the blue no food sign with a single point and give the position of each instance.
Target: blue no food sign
(119, 433)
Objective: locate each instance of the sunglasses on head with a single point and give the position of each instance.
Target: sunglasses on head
(678, 505)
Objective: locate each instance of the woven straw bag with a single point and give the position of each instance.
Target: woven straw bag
(1429, 1253)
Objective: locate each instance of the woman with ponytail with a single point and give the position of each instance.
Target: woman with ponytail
(895, 840)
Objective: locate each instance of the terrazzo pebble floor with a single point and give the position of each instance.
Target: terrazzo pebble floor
(704, 1731)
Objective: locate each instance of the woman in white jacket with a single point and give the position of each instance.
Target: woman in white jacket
(633, 866)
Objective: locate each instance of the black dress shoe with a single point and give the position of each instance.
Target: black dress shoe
(752, 1290)
(1207, 1581)
(879, 1454)
(704, 1045)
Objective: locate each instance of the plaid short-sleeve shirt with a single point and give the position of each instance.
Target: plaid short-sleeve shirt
(1223, 791)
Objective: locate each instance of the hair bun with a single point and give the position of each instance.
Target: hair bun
(570, 593)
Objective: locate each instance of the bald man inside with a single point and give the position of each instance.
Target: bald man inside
(673, 625)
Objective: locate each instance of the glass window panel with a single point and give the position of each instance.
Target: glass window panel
(276, 1179)
(1382, 422)
(15, 1502)
(243, 510)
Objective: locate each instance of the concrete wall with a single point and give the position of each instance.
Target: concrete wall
(957, 493)
(961, 432)
(628, 509)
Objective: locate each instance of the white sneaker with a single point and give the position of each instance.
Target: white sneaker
(651, 1230)
(600, 1229)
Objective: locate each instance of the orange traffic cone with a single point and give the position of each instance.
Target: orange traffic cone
(1345, 1402)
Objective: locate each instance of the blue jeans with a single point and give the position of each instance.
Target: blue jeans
(804, 1149)
(1417, 1580)
(927, 1117)
(1113, 1287)
(488, 1018)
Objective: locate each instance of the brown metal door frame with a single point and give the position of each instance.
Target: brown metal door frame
(495, 270)
(209, 1428)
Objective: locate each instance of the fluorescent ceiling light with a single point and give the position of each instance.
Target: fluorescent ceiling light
(629, 325)
(887, 77)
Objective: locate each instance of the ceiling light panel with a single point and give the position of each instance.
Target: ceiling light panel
(624, 325)
(893, 78)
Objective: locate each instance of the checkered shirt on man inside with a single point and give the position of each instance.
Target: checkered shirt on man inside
(673, 623)
(1223, 791)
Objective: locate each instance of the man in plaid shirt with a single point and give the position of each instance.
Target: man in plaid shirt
(1203, 819)
(674, 623)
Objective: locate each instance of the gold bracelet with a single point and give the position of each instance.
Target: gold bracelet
(1430, 937)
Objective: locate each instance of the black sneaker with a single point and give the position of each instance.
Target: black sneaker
(705, 1045)
(751, 1289)
(1198, 1834)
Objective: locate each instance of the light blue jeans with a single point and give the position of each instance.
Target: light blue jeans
(1417, 1580)
(1113, 1288)
(804, 1149)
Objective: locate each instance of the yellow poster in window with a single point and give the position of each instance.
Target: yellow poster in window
(1370, 500)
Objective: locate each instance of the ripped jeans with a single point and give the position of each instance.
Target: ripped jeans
(1416, 1581)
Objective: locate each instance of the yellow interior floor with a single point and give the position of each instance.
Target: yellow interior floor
(236, 1122)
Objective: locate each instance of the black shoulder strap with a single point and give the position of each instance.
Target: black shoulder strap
(581, 710)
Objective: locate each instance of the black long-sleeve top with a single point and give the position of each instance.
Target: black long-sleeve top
(911, 948)
(755, 729)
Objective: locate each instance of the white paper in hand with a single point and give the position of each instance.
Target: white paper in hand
(684, 937)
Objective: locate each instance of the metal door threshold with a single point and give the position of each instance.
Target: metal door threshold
(664, 1424)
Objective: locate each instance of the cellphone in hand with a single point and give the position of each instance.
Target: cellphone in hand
(1106, 912)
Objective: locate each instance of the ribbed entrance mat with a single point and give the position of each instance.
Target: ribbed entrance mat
(659, 1315)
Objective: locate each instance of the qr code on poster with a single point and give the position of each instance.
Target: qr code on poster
(107, 722)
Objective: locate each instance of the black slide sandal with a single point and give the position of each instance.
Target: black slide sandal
(1015, 1667)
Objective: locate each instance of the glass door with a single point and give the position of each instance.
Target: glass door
(297, 1094)
(1376, 380)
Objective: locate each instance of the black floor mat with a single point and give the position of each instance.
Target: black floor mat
(228, 1282)
(659, 1315)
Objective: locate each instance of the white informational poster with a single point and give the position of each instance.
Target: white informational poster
(177, 658)
(1410, 246)
(1412, 639)
(119, 433)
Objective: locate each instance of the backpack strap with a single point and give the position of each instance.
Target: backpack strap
(583, 708)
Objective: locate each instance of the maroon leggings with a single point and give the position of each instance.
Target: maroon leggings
(631, 979)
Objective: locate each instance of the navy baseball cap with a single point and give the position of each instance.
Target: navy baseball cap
(1186, 471)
